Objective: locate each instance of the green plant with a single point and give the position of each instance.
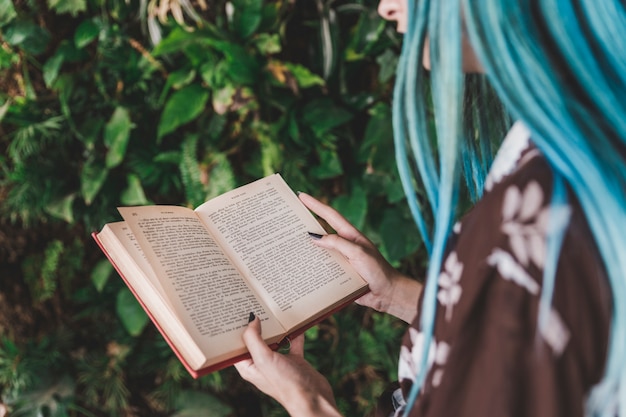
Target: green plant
(95, 115)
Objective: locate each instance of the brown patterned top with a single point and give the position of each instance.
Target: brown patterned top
(488, 356)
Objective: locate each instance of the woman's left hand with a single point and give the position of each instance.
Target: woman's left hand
(288, 378)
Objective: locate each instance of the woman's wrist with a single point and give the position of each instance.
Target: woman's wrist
(311, 406)
(403, 297)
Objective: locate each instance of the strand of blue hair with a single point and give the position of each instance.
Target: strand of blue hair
(562, 74)
(558, 65)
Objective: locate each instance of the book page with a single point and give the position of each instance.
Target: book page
(127, 240)
(206, 290)
(266, 227)
(121, 246)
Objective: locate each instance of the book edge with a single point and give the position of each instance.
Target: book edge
(195, 373)
(171, 344)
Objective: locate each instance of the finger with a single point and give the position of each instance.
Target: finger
(332, 216)
(366, 300)
(296, 346)
(259, 351)
(248, 371)
(349, 249)
(243, 366)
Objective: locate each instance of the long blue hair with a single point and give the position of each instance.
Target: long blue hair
(558, 65)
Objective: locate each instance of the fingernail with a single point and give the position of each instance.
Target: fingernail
(315, 235)
(251, 317)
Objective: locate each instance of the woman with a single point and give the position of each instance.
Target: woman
(522, 312)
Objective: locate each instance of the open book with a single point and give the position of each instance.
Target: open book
(199, 273)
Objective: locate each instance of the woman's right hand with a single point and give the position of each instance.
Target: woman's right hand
(390, 291)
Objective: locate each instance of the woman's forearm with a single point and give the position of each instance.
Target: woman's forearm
(311, 406)
(403, 298)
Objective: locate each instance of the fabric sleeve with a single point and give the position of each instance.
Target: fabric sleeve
(499, 363)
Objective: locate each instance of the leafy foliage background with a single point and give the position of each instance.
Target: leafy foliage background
(108, 102)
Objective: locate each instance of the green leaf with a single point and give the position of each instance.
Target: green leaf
(242, 67)
(130, 312)
(194, 403)
(62, 208)
(246, 17)
(293, 129)
(8, 58)
(213, 73)
(365, 34)
(216, 126)
(271, 155)
(323, 115)
(353, 206)
(4, 108)
(101, 273)
(182, 107)
(304, 77)
(133, 195)
(387, 62)
(116, 136)
(394, 190)
(7, 12)
(328, 40)
(51, 68)
(27, 35)
(48, 395)
(268, 44)
(312, 333)
(239, 66)
(179, 39)
(398, 245)
(221, 177)
(66, 52)
(86, 32)
(168, 157)
(330, 164)
(72, 7)
(223, 99)
(177, 80)
(90, 132)
(378, 137)
(92, 177)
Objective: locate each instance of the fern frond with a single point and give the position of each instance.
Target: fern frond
(32, 138)
(21, 367)
(42, 280)
(220, 175)
(115, 393)
(12, 379)
(190, 172)
(102, 380)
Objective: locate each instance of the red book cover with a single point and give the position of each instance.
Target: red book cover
(221, 365)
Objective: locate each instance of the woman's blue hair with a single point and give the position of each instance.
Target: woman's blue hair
(558, 65)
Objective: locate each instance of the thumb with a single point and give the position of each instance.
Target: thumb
(296, 346)
(259, 351)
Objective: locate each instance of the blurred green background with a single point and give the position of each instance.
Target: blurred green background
(112, 102)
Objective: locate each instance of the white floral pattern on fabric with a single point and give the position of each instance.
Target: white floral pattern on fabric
(410, 360)
(449, 288)
(511, 270)
(526, 223)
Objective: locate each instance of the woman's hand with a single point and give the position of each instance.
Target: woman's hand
(390, 291)
(288, 378)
